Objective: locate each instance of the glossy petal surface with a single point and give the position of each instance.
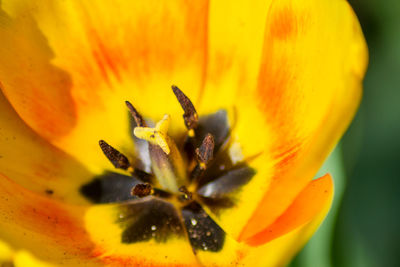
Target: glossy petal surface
(104, 62)
(287, 73)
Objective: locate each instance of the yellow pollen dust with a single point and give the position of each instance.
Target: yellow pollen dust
(157, 135)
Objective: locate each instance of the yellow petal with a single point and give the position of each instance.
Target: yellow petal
(312, 201)
(310, 86)
(281, 250)
(294, 80)
(5, 252)
(52, 231)
(235, 44)
(24, 258)
(34, 163)
(279, 243)
(294, 83)
(82, 68)
(20, 258)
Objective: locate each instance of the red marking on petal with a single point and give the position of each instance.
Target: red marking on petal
(276, 105)
(107, 58)
(288, 155)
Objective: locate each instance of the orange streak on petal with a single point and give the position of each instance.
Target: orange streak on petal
(289, 102)
(284, 24)
(111, 59)
(31, 218)
(308, 204)
(38, 90)
(53, 113)
(59, 60)
(287, 154)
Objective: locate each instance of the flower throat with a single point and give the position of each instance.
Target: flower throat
(190, 176)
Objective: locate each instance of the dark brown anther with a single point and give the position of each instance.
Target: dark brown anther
(117, 158)
(206, 151)
(142, 190)
(140, 122)
(190, 116)
(186, 194)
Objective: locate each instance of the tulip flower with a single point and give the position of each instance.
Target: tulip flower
(103, 163)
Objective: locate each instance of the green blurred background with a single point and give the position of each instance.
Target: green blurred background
(363, 227)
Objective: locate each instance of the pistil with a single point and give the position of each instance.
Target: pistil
(167, 162)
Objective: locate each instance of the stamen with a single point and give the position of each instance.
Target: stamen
(190, 116)
(114, 156)
(142, 190)
(140, 122)
(156, 136)
(206, 151)
(204, 154)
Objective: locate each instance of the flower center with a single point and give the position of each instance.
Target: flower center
(186, 173)
(174, 172)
